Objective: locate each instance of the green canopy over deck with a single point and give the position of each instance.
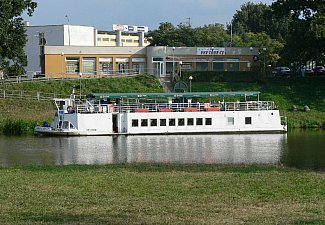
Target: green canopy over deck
(174, 95)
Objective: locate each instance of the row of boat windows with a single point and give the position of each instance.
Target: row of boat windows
(172, 122)
(182, 122)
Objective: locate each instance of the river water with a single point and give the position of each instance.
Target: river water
(299, 148)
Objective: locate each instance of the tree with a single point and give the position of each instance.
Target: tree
(259, 18)
(12, 33)
(306, 40)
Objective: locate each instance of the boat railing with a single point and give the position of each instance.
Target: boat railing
(172, 107)
(192, 107)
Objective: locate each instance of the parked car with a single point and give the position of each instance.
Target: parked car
(281, 71)
(319, 70)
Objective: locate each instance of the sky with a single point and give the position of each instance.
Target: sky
(102, 14)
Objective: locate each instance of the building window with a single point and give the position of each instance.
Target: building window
(106, 39)
(144, 122)
(248, 120)
(72, 65)
(172, 122)
(105, 66)
(113, 39)
(122, 65)
(138, 65)
(89, 65)
(208, 121)
(181, 122)
(135, 123)
(230, 121)
(129, 40)
(153, 122)
(162, 122)
(199, 121)
(202, 66)
(99, 39)
(190, 121)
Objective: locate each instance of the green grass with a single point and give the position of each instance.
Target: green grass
(283, 91)
(19, 116)
(161, 194)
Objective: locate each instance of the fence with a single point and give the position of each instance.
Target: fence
(39, 96)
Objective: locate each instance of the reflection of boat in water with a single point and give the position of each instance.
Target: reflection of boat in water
(132, 113)
(179, 149)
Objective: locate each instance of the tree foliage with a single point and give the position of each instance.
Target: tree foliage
(183, 35)
(306, 39)
(12, 33)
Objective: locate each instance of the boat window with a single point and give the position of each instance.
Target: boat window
(65, 125)
(199, 121)
(162, 122)
(181, 122)
(172, 122)
(208, 121)
(231, 121)
(71, 126)
(153, 122)
(144, 122)
(248, 120)
(135, 123)
(190, 121)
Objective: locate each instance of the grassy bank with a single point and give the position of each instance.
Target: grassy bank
(286, 92)
(161, 194)
(21, 115)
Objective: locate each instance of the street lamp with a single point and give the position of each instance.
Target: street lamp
(264, 64)
(190, 78)
(180, 69)
(80, 77)
(173, 74)
(62, 58)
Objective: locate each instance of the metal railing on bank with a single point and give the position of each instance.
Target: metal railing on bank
(62, 76)
(38, 96)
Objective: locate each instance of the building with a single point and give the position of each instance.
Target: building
(71, 51)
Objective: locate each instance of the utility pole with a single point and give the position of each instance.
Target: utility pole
(189, 21)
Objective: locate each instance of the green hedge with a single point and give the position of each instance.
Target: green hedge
(225, 76)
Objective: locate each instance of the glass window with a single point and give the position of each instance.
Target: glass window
(105, 66)
(72, 65)
(231, 121)
(190, 121)
(153, 122)
(144, 122)
(135, 123)
(248, 120)
(208, 121)
(202, 66)
(162, 122)
(199, 121)
(181, 122)
(89, 65)
(172, 122)
(105, 39)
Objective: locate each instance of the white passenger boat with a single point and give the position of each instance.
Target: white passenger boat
(164, 113)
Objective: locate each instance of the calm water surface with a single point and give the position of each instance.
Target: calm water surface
(296, 149)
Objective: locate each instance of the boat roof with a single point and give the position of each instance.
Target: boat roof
(174, 94)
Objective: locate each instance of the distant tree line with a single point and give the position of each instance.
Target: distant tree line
(287, 32)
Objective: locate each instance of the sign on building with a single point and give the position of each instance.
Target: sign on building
(130, 28)
(211, 51)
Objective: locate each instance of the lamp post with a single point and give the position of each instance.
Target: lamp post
(212, 54)
(190, 78)
(80, 77)
(180, 69)
(264, 64)
(173, 74)
(62, 58)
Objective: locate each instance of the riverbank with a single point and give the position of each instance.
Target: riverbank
(161, 194)
(285, 92)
